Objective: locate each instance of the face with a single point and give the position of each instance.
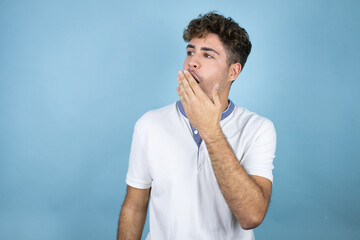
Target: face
(206, 61)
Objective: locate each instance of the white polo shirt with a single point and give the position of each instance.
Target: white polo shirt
(168, 155)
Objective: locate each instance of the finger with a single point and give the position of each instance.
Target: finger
(181, 92)
(180, 95)
(193, 84)
(186, 86)
(216, 95)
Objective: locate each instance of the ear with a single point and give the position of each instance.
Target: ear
(234, 71)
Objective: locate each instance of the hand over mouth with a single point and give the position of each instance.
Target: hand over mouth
(194, 76)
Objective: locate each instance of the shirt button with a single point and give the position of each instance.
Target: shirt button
(196, 132)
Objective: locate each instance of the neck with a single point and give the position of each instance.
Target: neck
(224, 99)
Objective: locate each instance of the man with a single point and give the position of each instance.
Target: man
(206, 163)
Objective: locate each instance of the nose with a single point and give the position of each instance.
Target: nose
(194, 62)
(193, 65)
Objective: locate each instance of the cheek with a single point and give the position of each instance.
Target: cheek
(185, 63)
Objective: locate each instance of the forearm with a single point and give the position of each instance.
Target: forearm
(243, 195)
(131, 223)
(247, 196)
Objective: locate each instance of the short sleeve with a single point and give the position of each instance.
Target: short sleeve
(258, 160)
(138, 175)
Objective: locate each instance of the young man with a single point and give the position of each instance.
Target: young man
(206, 163)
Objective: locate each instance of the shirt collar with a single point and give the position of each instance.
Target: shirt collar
(226, 113)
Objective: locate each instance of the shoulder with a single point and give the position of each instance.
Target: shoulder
(157, 116)
(248, 117)
(250, 124)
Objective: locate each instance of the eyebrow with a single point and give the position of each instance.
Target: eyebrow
(203, 48)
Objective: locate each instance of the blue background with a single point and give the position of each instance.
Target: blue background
(76, 75)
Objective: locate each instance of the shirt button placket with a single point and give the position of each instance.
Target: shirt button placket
(201, 157)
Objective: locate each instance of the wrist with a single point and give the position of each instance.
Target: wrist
(213, 136)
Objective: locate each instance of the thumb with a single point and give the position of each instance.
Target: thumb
(216, 95)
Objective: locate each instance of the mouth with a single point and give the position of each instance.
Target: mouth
(194, 76)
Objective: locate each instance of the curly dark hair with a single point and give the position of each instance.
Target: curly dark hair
(235, 38)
